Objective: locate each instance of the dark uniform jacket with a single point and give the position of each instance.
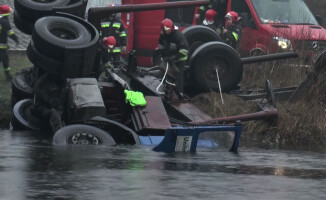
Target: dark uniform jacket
(174, 46)
(233, 35)
(114, 28)
(214, 26)
(5, 31)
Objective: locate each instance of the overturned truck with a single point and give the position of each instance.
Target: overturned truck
(62, 94)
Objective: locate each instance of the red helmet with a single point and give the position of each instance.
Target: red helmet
(210, 15)
(167, 24)
(109, 41)
(233, 15)
(5, 9)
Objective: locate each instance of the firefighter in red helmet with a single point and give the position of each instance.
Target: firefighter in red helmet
(113, 51)
(200, 16)
(233, 29)
(210, 21)
(112, 26)
(5, 31)
(173, 48)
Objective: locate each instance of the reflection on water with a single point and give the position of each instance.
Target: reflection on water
(31, 168)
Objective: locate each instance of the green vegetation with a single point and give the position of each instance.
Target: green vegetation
(17, 62)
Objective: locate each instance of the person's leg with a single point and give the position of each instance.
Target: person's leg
(180, 77)
(5, 62)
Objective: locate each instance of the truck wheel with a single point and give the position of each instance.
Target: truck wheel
(320, 62)
(46, 63)
(32, 10)
(24, 26)
(82, 134)
(22, 118)
(21, 85)
(198, 35)
(52, 35)
(211, 56)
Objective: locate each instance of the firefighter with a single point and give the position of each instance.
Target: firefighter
(233, 29)
(112, 26)
(5, 31)
(201, 13)
(209, 21)
(173, 48)
(113, 51)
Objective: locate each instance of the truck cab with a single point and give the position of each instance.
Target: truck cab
(272, 26)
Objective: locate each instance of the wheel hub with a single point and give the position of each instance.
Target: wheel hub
(84, 139)
(210, 69)
(64, 33)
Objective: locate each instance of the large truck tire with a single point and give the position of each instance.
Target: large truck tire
(198, 35)
(320, 63)
(22, 117)
(32, 10)
(211, 56)
(23, 25)
(46, 63)
(21, 85)
(52, 35)
(79, 134)
(120, 133)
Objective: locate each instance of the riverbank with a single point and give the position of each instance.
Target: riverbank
(17, 61)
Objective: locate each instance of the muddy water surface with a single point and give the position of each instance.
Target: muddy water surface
(31, 168)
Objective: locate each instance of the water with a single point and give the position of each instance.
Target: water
(31, 168)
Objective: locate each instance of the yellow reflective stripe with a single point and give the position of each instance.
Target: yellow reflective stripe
(10, 33)
(115, 50)
(123, 34)
(116, 25)
(3, 46)
(185, 53)
(7, 14)
(7, 69)
(202, 8)
(107, 24)
(235, 35)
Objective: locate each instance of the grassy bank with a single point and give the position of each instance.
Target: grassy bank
(17, 61)
(300, 123)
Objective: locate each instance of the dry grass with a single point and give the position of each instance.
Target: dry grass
(299, 123)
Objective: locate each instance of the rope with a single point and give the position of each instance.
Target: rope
(166, 71)
(219, 85)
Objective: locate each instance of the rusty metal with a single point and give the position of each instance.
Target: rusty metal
(96, 14)
(270, 114)
(269, 57)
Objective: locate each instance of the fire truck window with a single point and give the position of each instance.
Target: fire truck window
(181, 17)
(240, 6)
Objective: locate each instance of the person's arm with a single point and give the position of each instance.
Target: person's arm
(182, 46)
(11, 33)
